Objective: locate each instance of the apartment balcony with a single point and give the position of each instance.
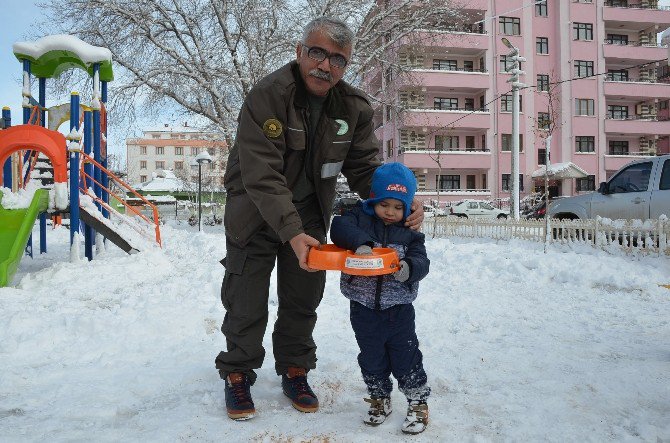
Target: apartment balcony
(637, 89)
(645, 14)
(467, 42)
(442, 79)
(638, 126)
(460, 118)
(633, 52)
(452, 159)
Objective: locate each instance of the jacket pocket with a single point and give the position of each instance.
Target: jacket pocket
(241, 219)
(233, 282)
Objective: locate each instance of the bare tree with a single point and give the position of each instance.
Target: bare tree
(202, 57)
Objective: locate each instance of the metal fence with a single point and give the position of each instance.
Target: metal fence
(630, 236)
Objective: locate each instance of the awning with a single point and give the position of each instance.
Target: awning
(561, 171)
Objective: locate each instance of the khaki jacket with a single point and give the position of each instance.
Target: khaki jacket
(269, 151)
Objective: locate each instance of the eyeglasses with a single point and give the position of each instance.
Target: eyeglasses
(320, 54)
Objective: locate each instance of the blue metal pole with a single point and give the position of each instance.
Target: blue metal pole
(26, 119)
(43, 215)
(105, 155)
(89, 234)
(97, 174)
(74, 170)
(7, 168)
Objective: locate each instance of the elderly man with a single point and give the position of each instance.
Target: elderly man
(298, 129)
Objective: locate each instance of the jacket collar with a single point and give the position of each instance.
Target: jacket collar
(334, 107)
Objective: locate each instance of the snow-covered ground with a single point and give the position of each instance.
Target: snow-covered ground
(573, 345)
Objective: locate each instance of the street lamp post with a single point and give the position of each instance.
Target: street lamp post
(201, 158)
(516, 109)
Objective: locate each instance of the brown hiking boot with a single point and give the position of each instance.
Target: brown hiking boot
(295, 387)
(239, 404)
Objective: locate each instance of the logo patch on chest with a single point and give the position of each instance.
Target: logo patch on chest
(272, 128)
(344, 127)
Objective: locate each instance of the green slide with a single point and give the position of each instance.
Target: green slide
(16, 226)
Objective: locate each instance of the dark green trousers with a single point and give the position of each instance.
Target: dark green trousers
(244, 294)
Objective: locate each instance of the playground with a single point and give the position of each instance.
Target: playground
(65, 174)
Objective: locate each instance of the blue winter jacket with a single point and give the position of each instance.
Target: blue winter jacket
(356, 228)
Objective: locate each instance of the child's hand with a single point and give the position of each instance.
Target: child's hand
(363, 250)
(402, 274)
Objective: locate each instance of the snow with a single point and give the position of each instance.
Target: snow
(518, 345)
(20, 199)
(561, 170)
(162, 180)
(63, 42)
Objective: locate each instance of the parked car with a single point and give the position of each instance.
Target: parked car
(344, 204)
(536, 212)
(639, 190)
(477, 209)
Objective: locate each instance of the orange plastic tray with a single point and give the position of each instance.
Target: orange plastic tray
(331, 258)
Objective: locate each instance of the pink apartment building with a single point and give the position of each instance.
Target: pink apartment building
(444, 108)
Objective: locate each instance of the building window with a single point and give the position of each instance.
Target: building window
(160, 164)
(617, 39)
(194, 151)
(446, 142)
(543, 121)
(663, 105)
(160, 150)
(618, 147)
(506, 63)
(506, 103)
(469, 142)
(617, 112)
(143, 150)
(178, 150)
(445, 65)
(389, 148)
(586, 183)
(468, 65)
(584, 106)
(542, 45)
(143, 178)
(541, 9)
(585, 143)
(156, 136)
(617, 75)
(510, 25)
(507, 183)
(178, 165)
(583, 68)
(542, 82)
(448, 182)
(507, 142)
(143, 164)
(445, 103)
(469, 104)
(582, 31)
(542, 156)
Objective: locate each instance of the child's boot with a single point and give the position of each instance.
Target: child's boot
(417, 417)
(380, 408)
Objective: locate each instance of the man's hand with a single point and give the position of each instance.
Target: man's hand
(416, 217)
(363, 250)
(301, 244)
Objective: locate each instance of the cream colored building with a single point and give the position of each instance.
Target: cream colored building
(174, 148)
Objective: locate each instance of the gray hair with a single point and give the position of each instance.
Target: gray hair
(337, 30)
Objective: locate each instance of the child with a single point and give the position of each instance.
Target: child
(382, 314)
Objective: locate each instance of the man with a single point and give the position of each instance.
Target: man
(298, 129)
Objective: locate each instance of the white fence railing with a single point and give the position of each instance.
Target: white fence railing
(648, 237)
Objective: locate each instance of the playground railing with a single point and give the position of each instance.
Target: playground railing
(154, 222)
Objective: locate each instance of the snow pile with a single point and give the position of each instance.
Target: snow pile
(518, 346)
(20, 199)
(63, 42)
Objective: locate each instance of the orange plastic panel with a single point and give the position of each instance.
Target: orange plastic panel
(331, 258)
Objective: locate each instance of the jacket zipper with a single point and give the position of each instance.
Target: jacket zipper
(378, 291)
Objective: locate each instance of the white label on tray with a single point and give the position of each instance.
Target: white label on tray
(364, 263)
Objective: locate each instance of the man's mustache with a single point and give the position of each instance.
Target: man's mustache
(321, 74)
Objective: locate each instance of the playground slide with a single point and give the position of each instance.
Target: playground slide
(16, 225)
(105, 230)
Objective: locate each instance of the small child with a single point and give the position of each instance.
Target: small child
(381, 313)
